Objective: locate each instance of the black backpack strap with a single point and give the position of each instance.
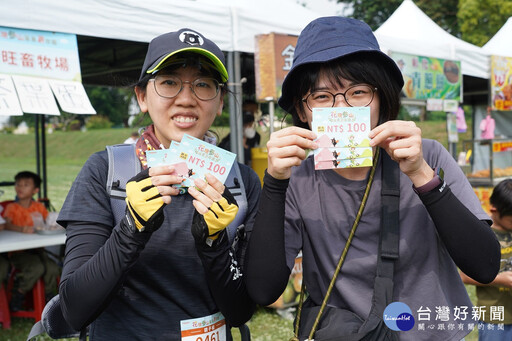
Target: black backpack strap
(374, 327)
(122, 166)
(236, 187)
(390, 219)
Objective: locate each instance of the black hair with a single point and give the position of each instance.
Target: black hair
(28, 175)
(501, 198)
(357, 68)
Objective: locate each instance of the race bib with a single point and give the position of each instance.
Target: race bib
(208, 328)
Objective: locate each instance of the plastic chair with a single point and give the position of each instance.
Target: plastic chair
(5, 315)
(36, 299)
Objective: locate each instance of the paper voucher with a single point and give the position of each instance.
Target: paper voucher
(342, 137)
(193, 158)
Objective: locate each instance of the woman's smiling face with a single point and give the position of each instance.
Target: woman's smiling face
(183, 114)
(324, 83)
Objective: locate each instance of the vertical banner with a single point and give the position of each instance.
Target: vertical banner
(273, 58)
(451, 128)
(501, 83)
(427, 77)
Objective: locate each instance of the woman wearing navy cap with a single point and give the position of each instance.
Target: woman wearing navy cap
(166, 271)
(338, 63)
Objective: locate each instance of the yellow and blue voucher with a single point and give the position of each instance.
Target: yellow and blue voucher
(342, 137)
(192, 158)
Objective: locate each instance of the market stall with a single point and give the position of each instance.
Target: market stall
(488, 157)
(490, 163)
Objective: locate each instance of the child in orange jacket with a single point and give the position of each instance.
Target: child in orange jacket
(34, 263)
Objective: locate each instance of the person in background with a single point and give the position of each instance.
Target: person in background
(338, 63)
(168, 264)
(496, 324)
(133, 138)
(33, 263)
(251, 138)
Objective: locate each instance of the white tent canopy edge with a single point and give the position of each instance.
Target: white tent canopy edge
(500, 44)
(410, 30)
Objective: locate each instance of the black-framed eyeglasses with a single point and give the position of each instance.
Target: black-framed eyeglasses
(170, 86)
(360, 95)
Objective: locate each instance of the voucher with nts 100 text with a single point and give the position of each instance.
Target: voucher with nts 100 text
(342, 137)
(193, 158)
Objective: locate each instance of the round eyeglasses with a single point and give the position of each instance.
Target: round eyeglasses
(170, 86)
(360, 95)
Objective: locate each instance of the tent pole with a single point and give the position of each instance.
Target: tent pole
(38, 161)
(239, 125)
(233, 117)
(232, 112)
(271, 115)
(43, 158)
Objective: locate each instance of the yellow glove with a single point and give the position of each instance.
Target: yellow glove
(144, 204)
(208, 227)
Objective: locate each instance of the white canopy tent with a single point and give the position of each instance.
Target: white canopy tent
(410, 30)
(501, 43)
(232, 24)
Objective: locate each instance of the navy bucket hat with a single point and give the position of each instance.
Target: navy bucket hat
(167, 45)
(328, 38)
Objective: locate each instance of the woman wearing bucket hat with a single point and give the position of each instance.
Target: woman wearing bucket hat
(166, 270)
(440, 224)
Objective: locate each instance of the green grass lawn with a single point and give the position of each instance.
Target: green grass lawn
(67, 152)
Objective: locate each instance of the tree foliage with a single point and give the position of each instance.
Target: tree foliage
(376, 12)
(111, 102)
(474, 21)
(481, 19)
(372, 12)
(443, 13)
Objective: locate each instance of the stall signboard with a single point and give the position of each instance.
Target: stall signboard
(35, 67)
(273, 57)
(503, 146)
(501, 83)
(428, 77)
(39, 53)
(484, 195)
(450, 105)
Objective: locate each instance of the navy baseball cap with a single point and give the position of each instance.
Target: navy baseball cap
(328, 38)
(169, 44)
